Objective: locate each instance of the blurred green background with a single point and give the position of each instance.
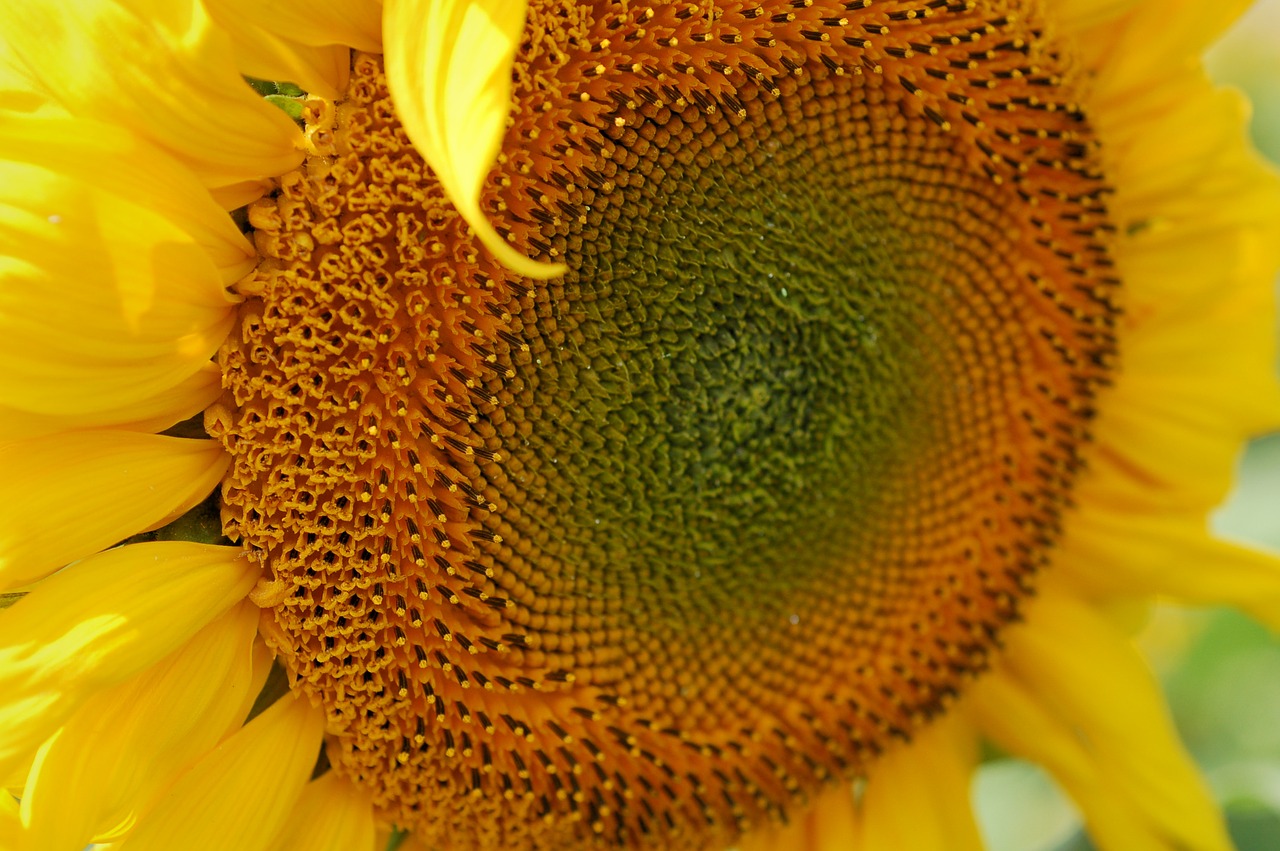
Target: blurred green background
(1220, 670)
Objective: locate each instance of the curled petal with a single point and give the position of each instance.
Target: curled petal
(242, 793)
(448, 66)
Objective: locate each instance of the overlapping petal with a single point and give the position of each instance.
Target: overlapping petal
(112, 281)
(126, 744)
(100, 622)
(1073, 694)
(153, 414)
(829, 824)
(322, 71)
(331, 815)
(241, 794)
(918, 796)
(304, 43)
(129, 346)
(160, 68)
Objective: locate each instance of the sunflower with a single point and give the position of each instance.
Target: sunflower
(670, 426)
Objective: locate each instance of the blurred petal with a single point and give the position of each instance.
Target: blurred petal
(828, 824)
(1014, 720)
(917, 796)
(10, 827)
(1115, 740)
(1173, 555)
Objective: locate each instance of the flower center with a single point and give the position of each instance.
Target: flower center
(646, 554)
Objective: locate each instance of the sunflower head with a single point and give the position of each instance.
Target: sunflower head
(579, 556)
(633, 423)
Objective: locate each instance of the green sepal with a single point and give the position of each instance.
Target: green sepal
(287, 96)
(292, 106)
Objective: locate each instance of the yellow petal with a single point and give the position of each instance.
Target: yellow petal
(316, 23)
(236, 195)
(153, 414)
(108, 157)
(267, 55)
(1191, 173)
(827, 824)
(1087, 673)
(102, 621)
(1075, 16)
(1127, 53)
(103, 302)
(241, 794)
(1015, 721)
(128, 743)
(306, 43)
(917, 796)
(15, 777)
(17, 93)
(70, 495)
(10, 827)
(331, 815)
(1114, 550)
(448, 65)
(160, 68)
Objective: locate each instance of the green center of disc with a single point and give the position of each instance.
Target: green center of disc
(732, 374)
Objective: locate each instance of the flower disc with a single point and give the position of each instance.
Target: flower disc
(645, 554)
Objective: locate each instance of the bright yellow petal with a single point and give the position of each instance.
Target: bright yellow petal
(331, 815)
(1127, 52)
(10, 827)
(307, 43)
(1076, 16)
(101, 621)
(153, 414)
(128, 743)
(917, 796)
(161, 68)
(71, 495)
(1090, 678)
(448, 65)
(316, 23)
(241, 794)
(108, 157)
(236, 195)
(260, 53)
(103, 302)
(16, 91)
